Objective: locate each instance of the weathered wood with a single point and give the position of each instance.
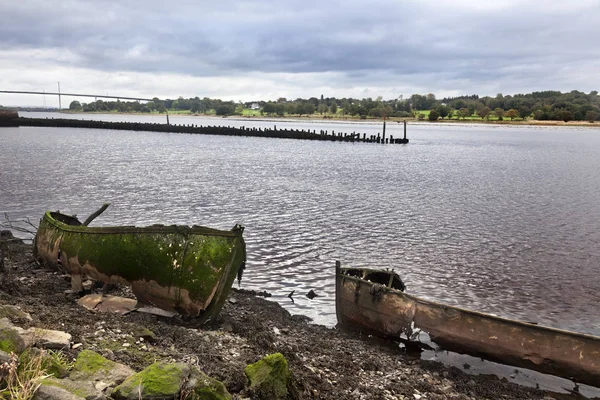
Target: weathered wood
(95, 214)
(374, 301)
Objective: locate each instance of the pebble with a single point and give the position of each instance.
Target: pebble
(76, 346)
(126, 344)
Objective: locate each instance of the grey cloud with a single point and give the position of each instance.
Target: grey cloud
(358, 39)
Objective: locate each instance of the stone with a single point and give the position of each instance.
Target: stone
(270, 376)
(203, 387)
(54, 393)
(159, 381)
(49, 339)
(4, 357)
(11, 341)
(14, 313)
(144, 333)
(91, 366)
(80, 389)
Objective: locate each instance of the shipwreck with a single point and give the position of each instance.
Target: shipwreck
(183, 269)
(375, 301)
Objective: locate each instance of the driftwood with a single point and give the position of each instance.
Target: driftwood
(96, 214)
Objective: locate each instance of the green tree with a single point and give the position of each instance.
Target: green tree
(499, 113)
(322, 109)
(75, 106)
(345, 107)
(464, 113)
(306, 108)
(484, 112)
(512, 114)
(524, 112)
(591, 116)
(225, 109)
(443, 110)
(269, 108)
(333, 108)
(472, 107)
(434, 115)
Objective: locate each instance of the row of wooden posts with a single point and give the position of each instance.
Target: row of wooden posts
(216, 130)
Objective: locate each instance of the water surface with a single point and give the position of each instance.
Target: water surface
(496, 219)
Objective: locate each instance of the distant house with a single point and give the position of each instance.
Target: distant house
(254, 106)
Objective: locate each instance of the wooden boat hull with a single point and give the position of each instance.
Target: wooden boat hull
(184, 269)
(389, 312)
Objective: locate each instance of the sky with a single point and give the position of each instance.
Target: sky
(266, 49)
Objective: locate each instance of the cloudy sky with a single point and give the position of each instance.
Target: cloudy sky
(265, 49)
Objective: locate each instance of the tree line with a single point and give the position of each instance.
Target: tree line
(546, 105)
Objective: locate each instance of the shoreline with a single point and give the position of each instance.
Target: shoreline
(325, 363)
(369, 120)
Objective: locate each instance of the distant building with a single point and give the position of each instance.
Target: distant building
(254, 106)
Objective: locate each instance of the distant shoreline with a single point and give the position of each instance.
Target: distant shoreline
(371, 120)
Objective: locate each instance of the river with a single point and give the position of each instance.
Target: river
(499, 219)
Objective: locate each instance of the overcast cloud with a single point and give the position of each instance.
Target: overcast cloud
(265, 49)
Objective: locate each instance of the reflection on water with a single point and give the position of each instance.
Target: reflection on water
(496, 219)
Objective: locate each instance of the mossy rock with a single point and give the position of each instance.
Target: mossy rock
(91, 366)
(202, 387)
(89, 363)
(79, 389)
(160, 380)
(14, 313)
(11, 341)
(144, 333)
(269, 377)
(51, 364)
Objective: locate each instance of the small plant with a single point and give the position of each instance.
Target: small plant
(61, 359)
(20, 381)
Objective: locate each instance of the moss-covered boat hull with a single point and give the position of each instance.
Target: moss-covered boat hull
(374, 301)
(184, 269)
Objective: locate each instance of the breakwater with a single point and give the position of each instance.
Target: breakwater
(216, 130)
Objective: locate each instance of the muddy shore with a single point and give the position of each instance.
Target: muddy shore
(324, 363)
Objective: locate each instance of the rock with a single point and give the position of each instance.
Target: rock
(91, 366)
(14, 313)
(54, 393)
(49, 339)
(11, 341)
(159, 381)
(79, 389)
(204, 387)
(269, 377)
(4, 357)
(144, 333)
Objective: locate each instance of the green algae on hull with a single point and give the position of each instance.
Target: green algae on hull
(184, 269)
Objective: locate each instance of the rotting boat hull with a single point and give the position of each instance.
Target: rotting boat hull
(390, 313)
(184, 269)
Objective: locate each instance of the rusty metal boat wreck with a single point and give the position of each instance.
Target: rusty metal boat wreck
(374, 301)
(187, 270)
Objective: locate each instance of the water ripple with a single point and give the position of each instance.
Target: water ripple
(501, 220)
